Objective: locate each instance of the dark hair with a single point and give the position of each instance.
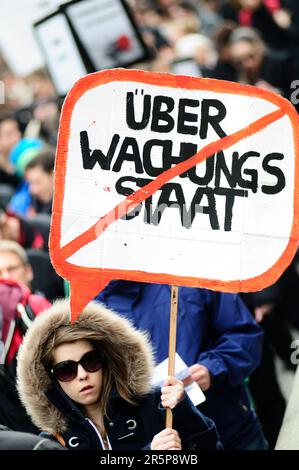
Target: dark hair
(222, 34)
(44, 159)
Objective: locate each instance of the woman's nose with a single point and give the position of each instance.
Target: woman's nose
(82, 373)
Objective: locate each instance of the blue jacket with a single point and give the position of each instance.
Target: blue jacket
(214, 329)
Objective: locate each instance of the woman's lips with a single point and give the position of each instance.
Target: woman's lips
(86, 389)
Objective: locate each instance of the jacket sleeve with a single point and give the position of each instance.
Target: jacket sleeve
(197, 432)
(235, 349)
(49, 441)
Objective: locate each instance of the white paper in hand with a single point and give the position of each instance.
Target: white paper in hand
(181, 372)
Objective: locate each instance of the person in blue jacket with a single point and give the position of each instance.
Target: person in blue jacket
(217, 338)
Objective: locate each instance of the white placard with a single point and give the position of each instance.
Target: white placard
(174, 180)
(107, 34)
(195, 393)
(61, 52)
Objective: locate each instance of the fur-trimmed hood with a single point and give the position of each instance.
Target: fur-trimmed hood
(33, 380)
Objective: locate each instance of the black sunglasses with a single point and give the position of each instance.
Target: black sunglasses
(66, 371)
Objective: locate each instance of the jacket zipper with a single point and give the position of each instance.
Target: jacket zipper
(99, 435)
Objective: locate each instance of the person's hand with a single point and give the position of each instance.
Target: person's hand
(163, 60)
(283, 18)
(172, 392)
(266, 86)
(251, 5)
(168, 439)
(199, 374)
(262, 311)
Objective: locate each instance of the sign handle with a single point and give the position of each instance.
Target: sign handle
(172, 343)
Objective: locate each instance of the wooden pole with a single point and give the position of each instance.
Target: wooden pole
(172, 343)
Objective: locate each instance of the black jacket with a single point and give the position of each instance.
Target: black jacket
(132, 427)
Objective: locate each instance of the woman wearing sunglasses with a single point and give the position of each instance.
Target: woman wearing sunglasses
(87, 384)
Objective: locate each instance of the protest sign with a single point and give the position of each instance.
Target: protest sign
(107, 32)
(63, 58)
(83, 36)
(172, 179)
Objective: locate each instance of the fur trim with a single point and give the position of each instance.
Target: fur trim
(33, 379)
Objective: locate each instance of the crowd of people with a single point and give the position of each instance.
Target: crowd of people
(91, 379)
